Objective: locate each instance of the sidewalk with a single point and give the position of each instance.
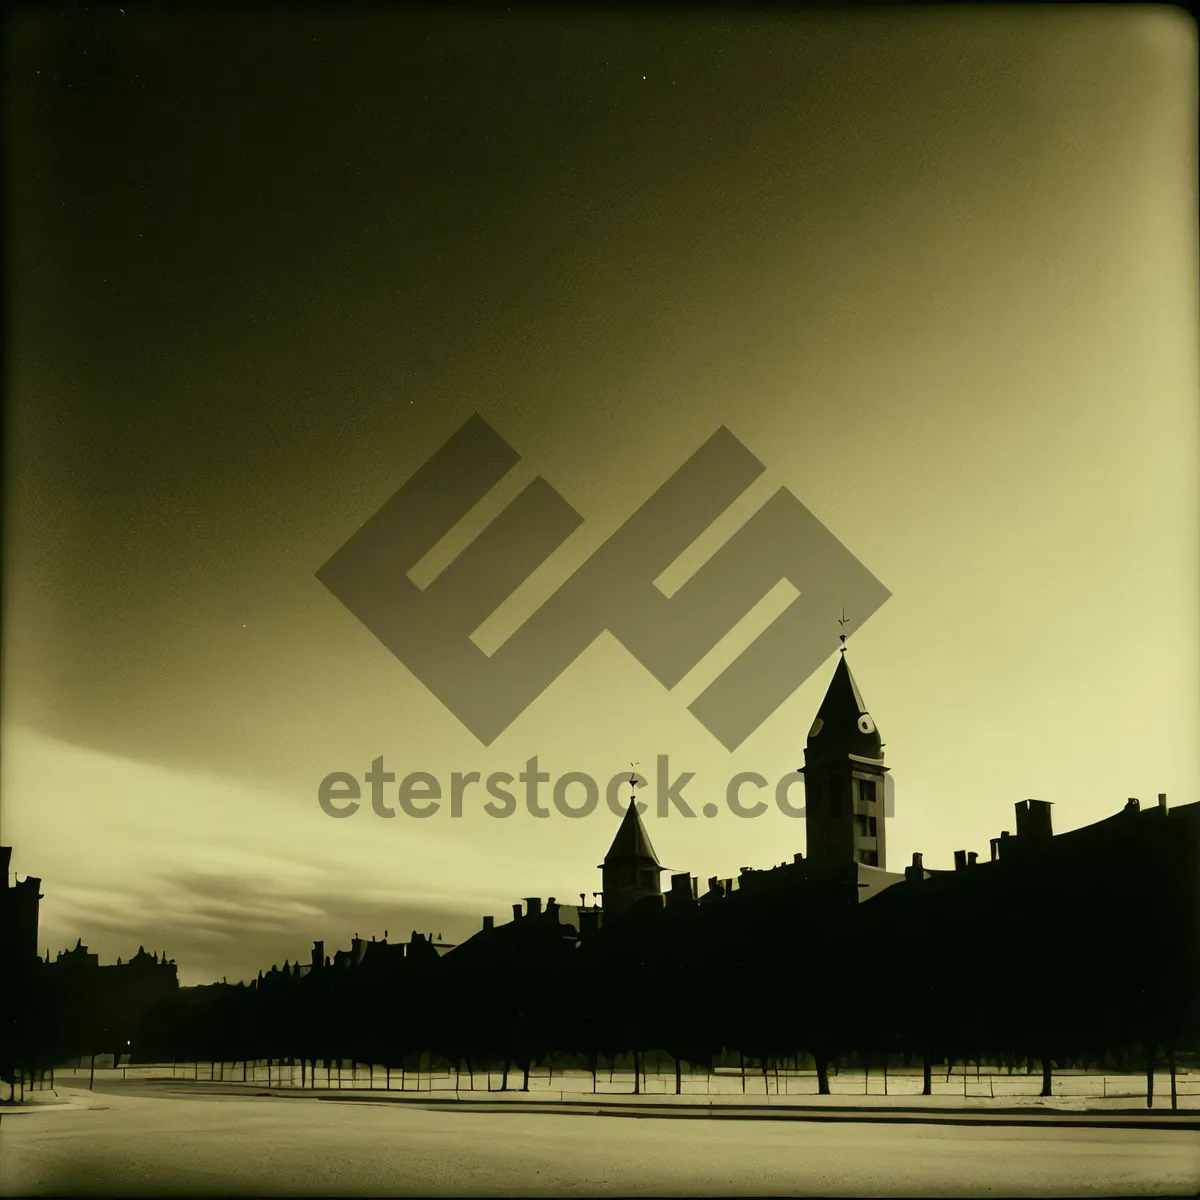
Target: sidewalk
(46, 1099)
(1123, 1112)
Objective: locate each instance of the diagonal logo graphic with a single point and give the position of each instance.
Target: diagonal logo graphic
(429, 630)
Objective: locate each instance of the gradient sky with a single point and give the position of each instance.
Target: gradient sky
(936, 269)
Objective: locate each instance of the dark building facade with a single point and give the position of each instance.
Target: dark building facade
(18, 918)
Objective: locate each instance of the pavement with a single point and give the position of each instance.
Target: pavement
(166, 1138)
(1096, 1112)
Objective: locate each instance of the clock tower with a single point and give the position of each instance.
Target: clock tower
(844, 779)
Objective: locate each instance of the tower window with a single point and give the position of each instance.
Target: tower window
(866, 827)
(866, 791)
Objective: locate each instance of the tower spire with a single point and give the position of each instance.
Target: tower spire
(630, 869)
(844, 777)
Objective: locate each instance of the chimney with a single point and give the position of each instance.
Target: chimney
(5, 859)
(516, 912)
(915, 872)
(318, 955)
(489, 922)
(1133, 804)
(995, 843)
(972, 858)
(960, 860)
(1162, 802)
(683, 888)
(1033, 821)
(533, 905)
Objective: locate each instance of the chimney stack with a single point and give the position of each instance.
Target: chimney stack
(533, 905)
(1162, 801)
(960, 860)
(1033, 821)
(683, 888)
(489, 922)
(516, 912)
(995, 843)
(972, 858)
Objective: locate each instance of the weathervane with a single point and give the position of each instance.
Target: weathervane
(632, 782)
(843, 621)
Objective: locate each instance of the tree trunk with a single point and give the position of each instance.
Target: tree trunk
(1047, 1082)
(679, 1076)
(822, 1074)
(525, 1076)
(1170, 1061)
(927, 1073)
(1150, 1056)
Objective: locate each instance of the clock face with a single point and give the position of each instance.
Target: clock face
(817, 726)
(865, 724)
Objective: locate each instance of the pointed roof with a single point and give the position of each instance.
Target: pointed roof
(843, 724)
(631, 840)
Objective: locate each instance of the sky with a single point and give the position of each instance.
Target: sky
(936, 270)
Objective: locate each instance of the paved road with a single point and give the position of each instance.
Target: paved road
(186, 1144)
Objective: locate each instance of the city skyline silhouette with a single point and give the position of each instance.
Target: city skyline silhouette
(593, 558)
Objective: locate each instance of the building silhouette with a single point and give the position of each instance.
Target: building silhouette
(19, 901)
(844, 774)
(1080, 947)
(630, 872)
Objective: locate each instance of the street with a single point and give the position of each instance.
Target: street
(172, 1142)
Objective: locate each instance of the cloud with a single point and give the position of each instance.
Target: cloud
(226, 878)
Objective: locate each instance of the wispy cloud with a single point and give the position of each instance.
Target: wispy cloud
(226, 878)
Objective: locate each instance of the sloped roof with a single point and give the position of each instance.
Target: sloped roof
(840, 727)
(632, 840)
